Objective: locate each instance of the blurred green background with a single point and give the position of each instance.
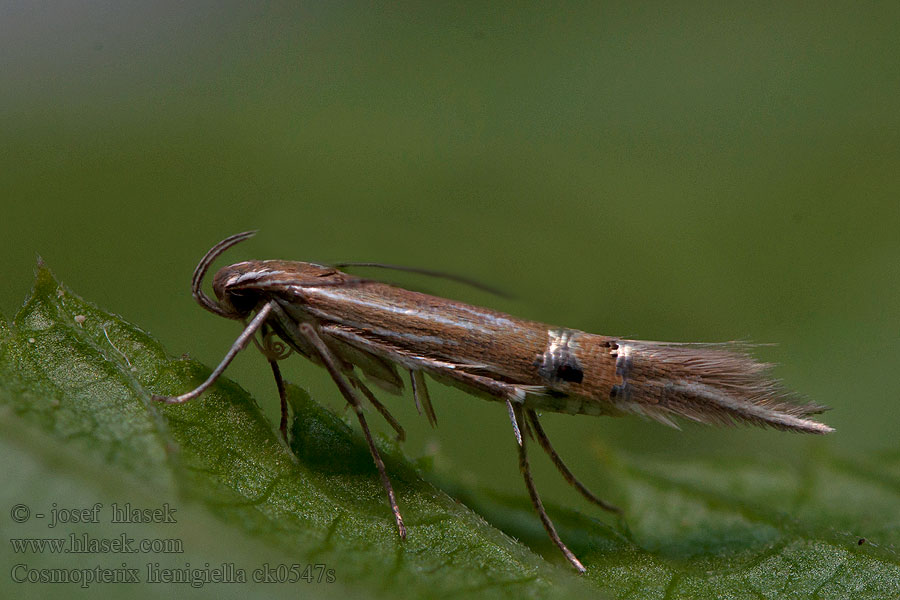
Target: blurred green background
(704, 172)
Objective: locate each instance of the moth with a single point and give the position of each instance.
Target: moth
(365, 331)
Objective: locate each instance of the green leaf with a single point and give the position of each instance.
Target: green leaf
(84, 378)
(79, 427)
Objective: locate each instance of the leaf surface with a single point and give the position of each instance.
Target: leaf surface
(75, 392)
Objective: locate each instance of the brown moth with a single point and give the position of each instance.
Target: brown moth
(357, 327)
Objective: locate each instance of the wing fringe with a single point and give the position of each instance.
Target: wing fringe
(710, 383)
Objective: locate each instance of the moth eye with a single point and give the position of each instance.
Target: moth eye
(243, 303)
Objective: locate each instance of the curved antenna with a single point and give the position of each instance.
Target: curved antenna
(429, 273)
(200, 272)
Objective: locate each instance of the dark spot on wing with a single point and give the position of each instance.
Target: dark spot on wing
(570, 372)
(558, 362)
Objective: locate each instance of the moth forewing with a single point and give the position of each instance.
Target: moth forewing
(352, 326)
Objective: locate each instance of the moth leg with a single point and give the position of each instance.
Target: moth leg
(381, 408)
(491, 387)
(513, 395)
(239, 344)
(282, 394)
(544, 441)
(275, 351)
(518, 422)
(417, 379)
(309, 332)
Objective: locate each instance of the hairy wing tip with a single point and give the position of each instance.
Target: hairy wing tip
(810, 426)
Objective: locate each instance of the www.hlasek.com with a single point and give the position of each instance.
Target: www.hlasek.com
(87, 544)
(196, 577)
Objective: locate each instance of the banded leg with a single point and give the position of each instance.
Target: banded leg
(330, 363)
(417, 379)
(517, 417)
(239, 344)
(544, 441)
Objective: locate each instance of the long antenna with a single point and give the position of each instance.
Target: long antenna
(200, 272)
(429, 273)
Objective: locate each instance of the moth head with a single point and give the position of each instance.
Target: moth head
(240, 287)
(228, 304)
(235, 291)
